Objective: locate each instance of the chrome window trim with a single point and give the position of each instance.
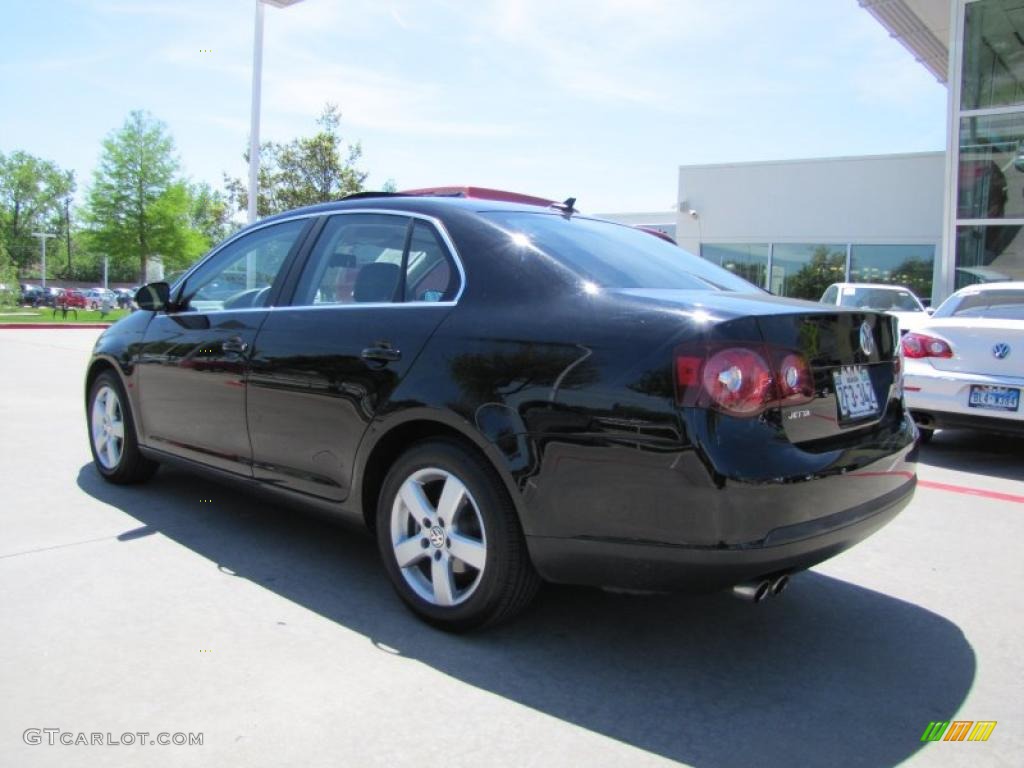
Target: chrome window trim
(438, 225)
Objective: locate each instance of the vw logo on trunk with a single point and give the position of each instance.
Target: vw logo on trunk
(1000, 351)
(867, 341)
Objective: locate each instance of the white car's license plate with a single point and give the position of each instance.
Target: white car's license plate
(854, 392)
(994, 398)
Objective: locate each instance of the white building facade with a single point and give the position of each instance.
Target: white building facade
(795, 227)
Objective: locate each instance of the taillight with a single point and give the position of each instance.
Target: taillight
(741, 380)
(918, 345)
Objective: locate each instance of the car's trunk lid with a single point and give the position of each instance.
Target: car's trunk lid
(994, 349)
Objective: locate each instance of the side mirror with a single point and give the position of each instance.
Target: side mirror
(154, 297)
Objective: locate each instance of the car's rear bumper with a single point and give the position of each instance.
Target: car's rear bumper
(940, 399)
(658, 566)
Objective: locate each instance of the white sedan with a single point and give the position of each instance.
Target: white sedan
(965, 367)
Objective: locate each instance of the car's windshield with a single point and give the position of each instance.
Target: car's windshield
(1003, 304)
(614, 255)
(886, 299)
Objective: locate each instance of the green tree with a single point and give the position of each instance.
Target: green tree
(303, 171)
(824, 268)
(10, 291)
(136, 208)
(209, 212)
(32, 195)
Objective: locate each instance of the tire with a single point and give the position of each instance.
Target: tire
(117, 458)
(495, 581)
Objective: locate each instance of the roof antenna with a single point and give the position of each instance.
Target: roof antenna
(568, 205)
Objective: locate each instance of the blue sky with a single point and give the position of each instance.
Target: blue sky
(601, 100)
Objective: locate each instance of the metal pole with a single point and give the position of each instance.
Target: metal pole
(254, 125)
(42, 239)
(106, 260)
(67, 229)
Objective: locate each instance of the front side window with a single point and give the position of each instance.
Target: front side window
(241, 274)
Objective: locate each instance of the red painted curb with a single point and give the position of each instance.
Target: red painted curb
(51, 326)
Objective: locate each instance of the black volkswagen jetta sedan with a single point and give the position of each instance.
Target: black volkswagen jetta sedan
(508, 393)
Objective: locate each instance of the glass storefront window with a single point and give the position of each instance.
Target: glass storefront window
(907, 265)
(989, 253)
(991, 178)
(749, 261)
(993, 63)
(805, 271)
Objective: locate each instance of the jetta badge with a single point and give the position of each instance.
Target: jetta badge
(1001, 351)
(867, 341)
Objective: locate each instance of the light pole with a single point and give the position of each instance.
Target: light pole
(254, 124)
(42, 239)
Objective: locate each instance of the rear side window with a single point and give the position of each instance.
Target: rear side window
(374, 258)
(994, 304)
(357, 259)
(428, 274)
(830, 295)
(614, 255)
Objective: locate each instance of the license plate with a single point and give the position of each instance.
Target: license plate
(994, 398)
(854, 392)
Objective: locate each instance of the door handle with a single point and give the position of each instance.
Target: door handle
(235, 345)
(382, 354)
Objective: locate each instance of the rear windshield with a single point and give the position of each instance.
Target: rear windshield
(997, 304)
(615, 255)
(879, 298)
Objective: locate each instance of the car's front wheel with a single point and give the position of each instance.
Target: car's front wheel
(450, 538)
(112, 438)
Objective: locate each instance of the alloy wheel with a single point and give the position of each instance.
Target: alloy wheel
(438, 537)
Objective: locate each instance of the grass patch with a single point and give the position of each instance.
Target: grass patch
(46, 315)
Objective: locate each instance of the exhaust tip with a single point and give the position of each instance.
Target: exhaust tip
(753, 591)
(779, 584)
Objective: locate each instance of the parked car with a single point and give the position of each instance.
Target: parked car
(73, 299)
(507, 393)
(31, 295)
(965, 367)
(50, 297)
(97, 296)
(898, 301)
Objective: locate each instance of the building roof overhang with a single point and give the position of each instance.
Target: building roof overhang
(921, 26)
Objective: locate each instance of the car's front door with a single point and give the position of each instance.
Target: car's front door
(193, 361)
(373, 290)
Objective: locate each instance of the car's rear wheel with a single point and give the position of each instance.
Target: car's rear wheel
(450, 538)
(112, 437)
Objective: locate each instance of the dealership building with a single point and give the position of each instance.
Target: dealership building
(934, 221)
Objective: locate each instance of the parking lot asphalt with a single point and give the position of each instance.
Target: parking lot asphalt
(183, 606)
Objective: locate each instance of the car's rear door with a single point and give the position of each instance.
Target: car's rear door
(373, 289)
(193, 361)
